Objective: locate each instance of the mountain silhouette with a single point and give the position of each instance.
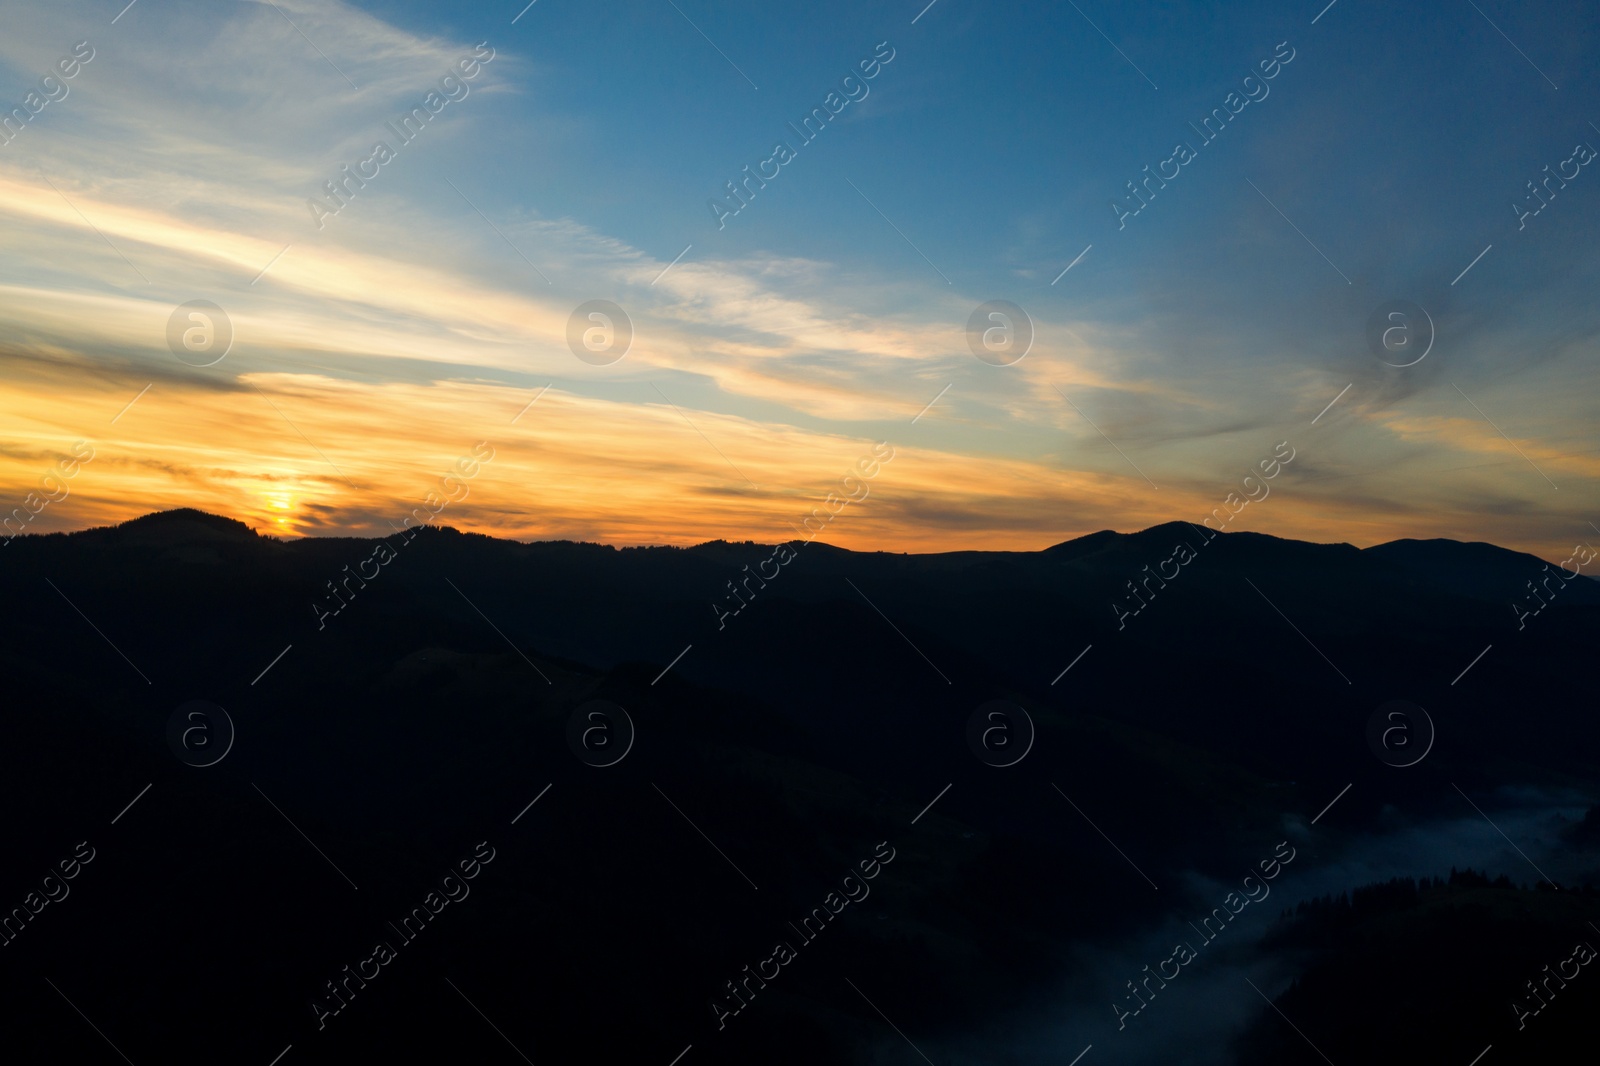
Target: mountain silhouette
(793, 707)
(1484, 571)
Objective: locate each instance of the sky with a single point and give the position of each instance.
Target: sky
(1387, 158)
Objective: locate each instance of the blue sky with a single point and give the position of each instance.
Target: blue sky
(1384, 157)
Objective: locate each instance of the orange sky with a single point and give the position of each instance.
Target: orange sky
(308, 455)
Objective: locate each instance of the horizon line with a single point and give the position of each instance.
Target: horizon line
(720, 540)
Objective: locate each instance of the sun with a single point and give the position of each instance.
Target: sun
(281, 503)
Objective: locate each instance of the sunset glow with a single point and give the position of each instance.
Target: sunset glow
(366, 355)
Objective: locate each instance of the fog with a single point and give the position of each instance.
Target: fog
(1191, 1022)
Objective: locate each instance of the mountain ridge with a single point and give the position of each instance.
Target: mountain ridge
(1403, 550)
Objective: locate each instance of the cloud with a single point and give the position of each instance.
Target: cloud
(158, 181)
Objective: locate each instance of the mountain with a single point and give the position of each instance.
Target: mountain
(1485, 572)
(793, 708)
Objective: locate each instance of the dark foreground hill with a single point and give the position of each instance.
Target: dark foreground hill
(794, 710)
